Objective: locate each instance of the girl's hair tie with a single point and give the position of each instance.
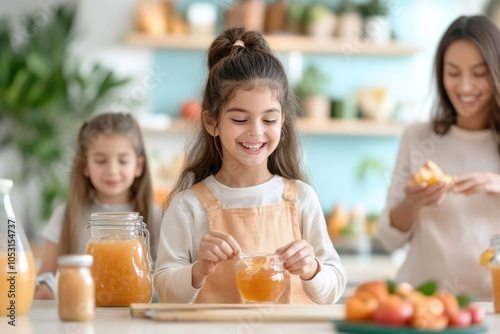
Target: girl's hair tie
(239, 42)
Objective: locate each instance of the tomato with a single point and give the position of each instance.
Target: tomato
(393, 310)
(477, 314)
(361, 306)
(460, 318)
(191, 109)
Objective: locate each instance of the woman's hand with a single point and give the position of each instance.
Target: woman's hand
(299, 259)
(421, 194)
(215, 247)
(478, 182)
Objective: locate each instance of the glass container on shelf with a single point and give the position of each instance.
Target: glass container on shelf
(122, 265)
(17, 283)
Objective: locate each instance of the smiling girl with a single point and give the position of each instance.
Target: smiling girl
(242, 189)
(448, 224)
(109, 173)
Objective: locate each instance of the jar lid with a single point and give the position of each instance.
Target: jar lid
(76, 260)
(6, 186)
(115, 218)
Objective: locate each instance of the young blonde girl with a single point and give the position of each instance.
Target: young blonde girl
(109, 173)
(243, 190)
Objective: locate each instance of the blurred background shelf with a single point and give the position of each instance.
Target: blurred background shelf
(279, 43)
(354, 127)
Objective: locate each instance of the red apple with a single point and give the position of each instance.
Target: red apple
(460, 318)
(191, 109)
(393, 310)
(477, 314)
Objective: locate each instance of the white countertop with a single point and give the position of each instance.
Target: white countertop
(43, 319)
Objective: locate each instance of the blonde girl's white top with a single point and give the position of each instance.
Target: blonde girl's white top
(446, 240)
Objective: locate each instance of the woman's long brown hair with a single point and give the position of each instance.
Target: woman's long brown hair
(481, 31)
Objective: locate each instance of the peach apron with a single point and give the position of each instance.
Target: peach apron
(260, 229)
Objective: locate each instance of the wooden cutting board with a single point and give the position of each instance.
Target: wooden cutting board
(237, 312)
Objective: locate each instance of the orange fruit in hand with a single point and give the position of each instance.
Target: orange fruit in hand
(486, 257)
(430, 173)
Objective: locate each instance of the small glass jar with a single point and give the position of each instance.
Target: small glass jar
(122, 265)
(75, 288)
(261, 278)
(495, 271)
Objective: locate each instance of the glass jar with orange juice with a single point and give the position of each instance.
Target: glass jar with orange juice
(17, 264)
(261, 278)
(494, 264)
(122, 265)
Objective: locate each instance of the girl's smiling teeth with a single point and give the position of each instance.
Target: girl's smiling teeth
(252, 146)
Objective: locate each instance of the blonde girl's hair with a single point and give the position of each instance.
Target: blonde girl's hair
(80, 188)
(481, 31)
(242, 60)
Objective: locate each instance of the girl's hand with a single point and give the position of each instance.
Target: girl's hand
(478, 182)
(215, 247)
(43, 292)
(299, 259)
(424, 195)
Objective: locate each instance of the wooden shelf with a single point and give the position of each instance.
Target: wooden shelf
(330, 127)
(353, 127)
(279, 43)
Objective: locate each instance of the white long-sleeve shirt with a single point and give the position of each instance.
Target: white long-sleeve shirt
(185, 222)
(445, 241)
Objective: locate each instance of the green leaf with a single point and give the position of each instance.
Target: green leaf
(464, 300)
(428, 288)
(391, 286)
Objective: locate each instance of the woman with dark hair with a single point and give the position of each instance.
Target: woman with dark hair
(447, 224)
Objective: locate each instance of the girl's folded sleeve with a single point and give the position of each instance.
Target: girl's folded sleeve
(172, 278)
(329, 283)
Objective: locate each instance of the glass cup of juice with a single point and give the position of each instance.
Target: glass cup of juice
(261, 278)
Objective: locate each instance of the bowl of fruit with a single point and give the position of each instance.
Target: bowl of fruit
(388, 307)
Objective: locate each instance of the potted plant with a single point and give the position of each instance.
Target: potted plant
(44, 96)
(320, 21)
(377, 27)
(350, 25)
(311, 89)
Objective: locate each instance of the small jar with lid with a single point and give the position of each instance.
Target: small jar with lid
(76, 289)
(261, 278)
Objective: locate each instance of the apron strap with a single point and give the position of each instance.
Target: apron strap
(290, 193)
(206, 197)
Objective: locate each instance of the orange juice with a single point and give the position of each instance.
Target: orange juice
(260, 279)
(121, 271)
(495, 286)
(16, 290)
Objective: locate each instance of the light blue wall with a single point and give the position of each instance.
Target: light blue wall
(333, 161)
